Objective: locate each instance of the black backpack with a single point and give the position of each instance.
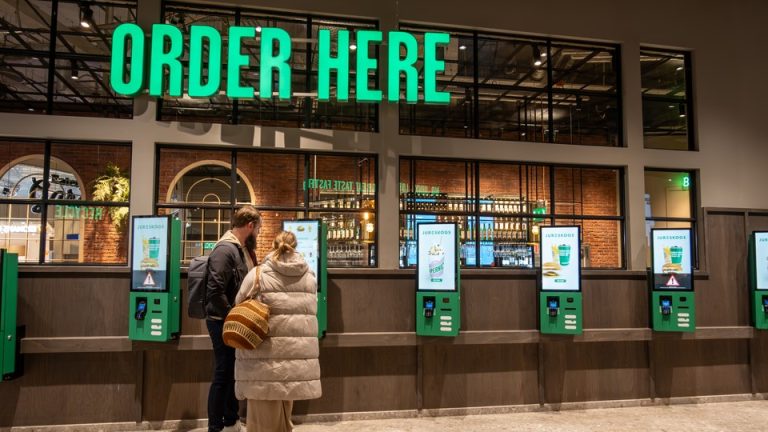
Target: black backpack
(197, 284)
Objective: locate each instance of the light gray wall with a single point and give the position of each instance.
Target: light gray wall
(727, 40)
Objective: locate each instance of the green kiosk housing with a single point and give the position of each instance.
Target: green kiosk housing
(155, 301)
(758, 278)
(10, 354)
(672, 303)
(560, 303)
(438, 299)
(311, 242)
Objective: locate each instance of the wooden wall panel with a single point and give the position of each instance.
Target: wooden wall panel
(759, 351)
(176, 384)
(365, 379)
(371, 304)
(757, 222)
(480, 375)
(595, 371)
(498, 304)
(610, 303)
(701, 367)
(71, 389)
(723, 299)
(54, 306)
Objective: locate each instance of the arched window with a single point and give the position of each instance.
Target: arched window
(203, 188)
(20, 226)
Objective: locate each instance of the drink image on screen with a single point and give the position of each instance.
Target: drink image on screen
(151, 252)
(436, 262)
(673, 258)
(676, 254)
(564, 254)
(154, 248)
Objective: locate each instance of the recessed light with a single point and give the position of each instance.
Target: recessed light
(353, 47)
(462, 47)
(258, 29)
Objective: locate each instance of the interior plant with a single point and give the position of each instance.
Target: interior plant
(114, 186)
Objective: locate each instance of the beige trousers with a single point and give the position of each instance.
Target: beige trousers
(269, 416)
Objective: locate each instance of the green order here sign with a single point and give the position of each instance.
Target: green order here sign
(161, 62)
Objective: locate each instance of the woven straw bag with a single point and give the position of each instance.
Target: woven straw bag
(247, 324)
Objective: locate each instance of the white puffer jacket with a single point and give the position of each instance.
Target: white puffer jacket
(285, 366)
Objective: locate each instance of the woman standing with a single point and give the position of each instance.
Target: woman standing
(285, 367)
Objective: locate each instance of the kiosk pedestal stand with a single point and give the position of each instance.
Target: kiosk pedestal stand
(155, 303)
(560, 310)
(758, 278)
(10, 354)
(311, 238)
(438, 300)
(673, 305)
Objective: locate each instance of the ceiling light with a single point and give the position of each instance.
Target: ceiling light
(681, 109)
(537, 62)
(86, 16)
(462, 47)
(353, 47)
(30, 109)
(74, 69)
(258, 29)
(679, 68)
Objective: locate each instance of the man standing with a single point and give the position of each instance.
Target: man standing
(231, 259)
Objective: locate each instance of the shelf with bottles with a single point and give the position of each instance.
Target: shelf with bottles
(442, 202)
(350, 254)
(498, 254)
(336, 201)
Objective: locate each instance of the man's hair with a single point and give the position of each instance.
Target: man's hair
(244, 215)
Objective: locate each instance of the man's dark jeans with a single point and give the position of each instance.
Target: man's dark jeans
(222, 403)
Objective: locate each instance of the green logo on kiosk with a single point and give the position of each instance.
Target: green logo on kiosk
(161, 62)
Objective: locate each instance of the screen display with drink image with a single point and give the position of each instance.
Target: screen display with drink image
(761, 260)
(671, 258)
(149, 264)
(436, 266)
(560, 261)
(307, 241)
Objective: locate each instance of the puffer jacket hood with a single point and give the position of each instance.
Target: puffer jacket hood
(291, 265)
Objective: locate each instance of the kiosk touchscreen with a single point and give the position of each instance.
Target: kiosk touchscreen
(673, 306)
(560, 310)
(438, 306)
(10, 354)
(155, 303)
(758, 278)
(311, 242)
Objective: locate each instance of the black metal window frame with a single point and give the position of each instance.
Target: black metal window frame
(49, 57)
(233, 205)
(694, 210)
(689, 106)
(236, 13)
(552, 216)
(547, 41)
(44, 202)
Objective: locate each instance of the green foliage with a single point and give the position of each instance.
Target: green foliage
(113, 186)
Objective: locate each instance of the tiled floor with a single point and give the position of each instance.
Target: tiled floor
(747, 416)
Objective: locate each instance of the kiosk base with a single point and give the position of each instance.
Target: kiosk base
(673, 311)
(149, 317)
(560, 313)
(437, 314)
(760, 309)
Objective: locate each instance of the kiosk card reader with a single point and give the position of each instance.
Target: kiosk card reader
(311, 242)
(758, 279)
(10, 353)
(560, 310)
(673, 306)
(155, 302)
(438, 303)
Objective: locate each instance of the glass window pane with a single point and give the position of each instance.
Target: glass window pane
(194, 176)
(408, 228)
(457, 118)
(342, 182)
(587, 191)
(665, 101)
(90, 172)
(586, 119)
(440, 185)
(271, 179)
(668, 194)
(351, 238)
(81, 87)
(24, 83)
(86, 234)
(102, 19)
(22, 169)
(510, 114)
(20, 230)
(200, 229)
(514, 188)
(600, 242)
(26, 25)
